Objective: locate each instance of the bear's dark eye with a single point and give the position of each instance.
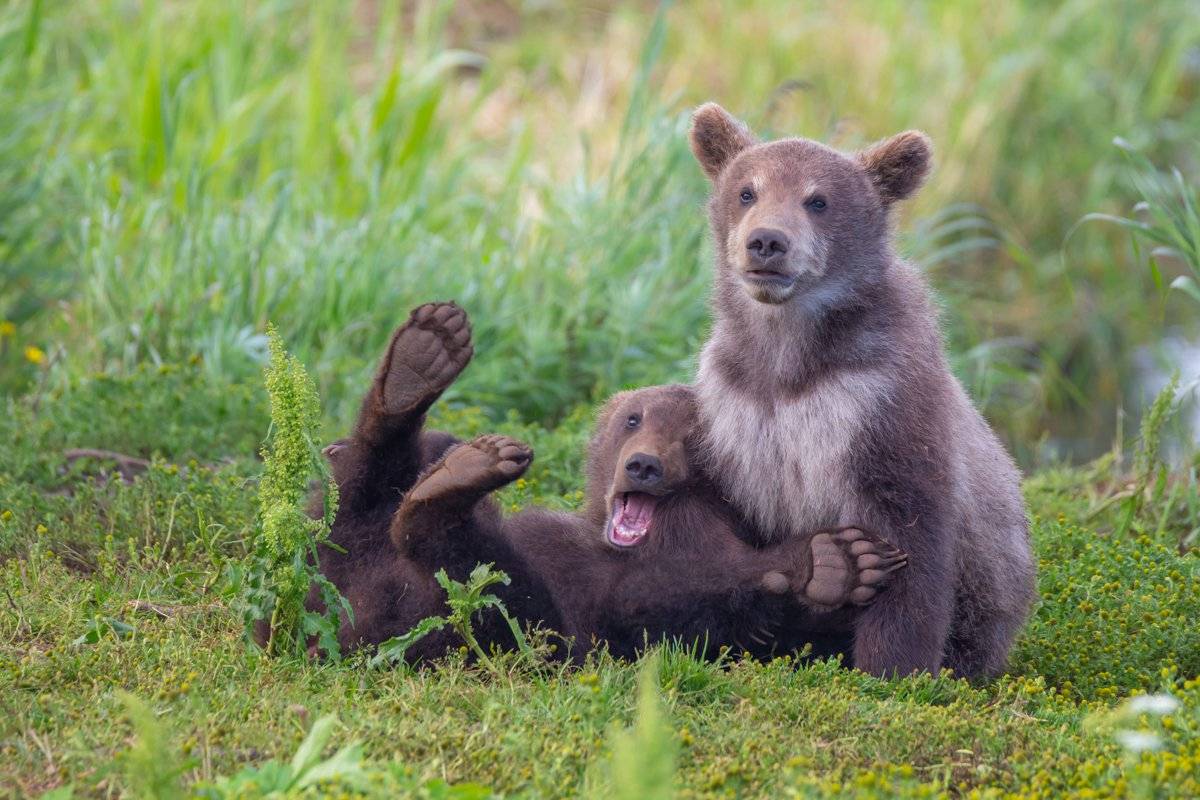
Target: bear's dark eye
(817, 204)
(634, 421)
(747, 197)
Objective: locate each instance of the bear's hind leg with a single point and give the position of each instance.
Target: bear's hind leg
(423, 358)
(979, 645)
(908, 629)
(383, 456)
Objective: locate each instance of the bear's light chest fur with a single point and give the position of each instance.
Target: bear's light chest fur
(785, 456)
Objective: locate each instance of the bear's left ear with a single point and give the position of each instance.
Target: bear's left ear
(716, 137)
(899, 165)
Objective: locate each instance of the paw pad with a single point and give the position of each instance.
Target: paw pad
(480, 465)
(850, 566)
(425, 355)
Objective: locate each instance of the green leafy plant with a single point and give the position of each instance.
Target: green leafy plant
(465, 601)
(1167, 218)
(1153, 498)
(308, 774)
(150, 767)
(306, 769)
(99, 627)
(644, 756)
(283, 562)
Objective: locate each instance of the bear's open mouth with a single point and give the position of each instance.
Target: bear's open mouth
(631, 517)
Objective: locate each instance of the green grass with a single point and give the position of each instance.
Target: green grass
(77, 551)
(177, 174)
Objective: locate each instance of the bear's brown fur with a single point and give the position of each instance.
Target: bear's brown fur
(655, 554)
(826, 398)
(390, 589)
(653, 557)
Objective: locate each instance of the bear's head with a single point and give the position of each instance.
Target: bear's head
(794, 220)
(638, 456)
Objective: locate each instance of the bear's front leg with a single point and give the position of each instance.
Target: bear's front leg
(908, 629)
(832, 569)
(446, 496)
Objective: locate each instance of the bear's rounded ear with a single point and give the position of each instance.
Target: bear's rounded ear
(716, 137)
(899, 165)
(605, 414)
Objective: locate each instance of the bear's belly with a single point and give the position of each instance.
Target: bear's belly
(783, 461)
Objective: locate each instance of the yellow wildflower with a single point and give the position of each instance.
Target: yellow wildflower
(7, 328)
(34, 355)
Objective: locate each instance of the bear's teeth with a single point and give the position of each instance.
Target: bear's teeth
(630, 521)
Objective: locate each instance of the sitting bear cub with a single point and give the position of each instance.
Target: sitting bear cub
(655, 554)
(826, 398)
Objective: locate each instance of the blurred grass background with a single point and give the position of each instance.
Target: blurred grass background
(175, 174)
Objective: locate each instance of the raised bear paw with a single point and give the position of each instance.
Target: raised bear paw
(848, 566)
(479, 466)
(425, 355)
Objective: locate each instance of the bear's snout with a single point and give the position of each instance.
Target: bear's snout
(644, 469)
(767, 245)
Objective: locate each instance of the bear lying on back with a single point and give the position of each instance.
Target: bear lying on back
(390, 590)
(654, 555)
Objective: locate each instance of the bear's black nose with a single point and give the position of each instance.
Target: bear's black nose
(765, 244)
(644, 469)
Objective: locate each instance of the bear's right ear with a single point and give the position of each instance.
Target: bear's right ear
(716, 137)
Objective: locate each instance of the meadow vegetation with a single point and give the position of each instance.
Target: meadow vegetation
(116, 588)
(177, 175)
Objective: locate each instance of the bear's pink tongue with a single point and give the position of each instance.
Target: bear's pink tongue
(631, 518)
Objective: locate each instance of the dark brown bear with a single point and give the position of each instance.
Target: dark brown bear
(826, 398)
(653, 557)
(389, 589)
(655, 554)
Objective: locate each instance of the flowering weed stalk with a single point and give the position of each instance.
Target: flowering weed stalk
(284, 560)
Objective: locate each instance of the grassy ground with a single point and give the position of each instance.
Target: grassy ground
(176, 174)
(82, 549)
